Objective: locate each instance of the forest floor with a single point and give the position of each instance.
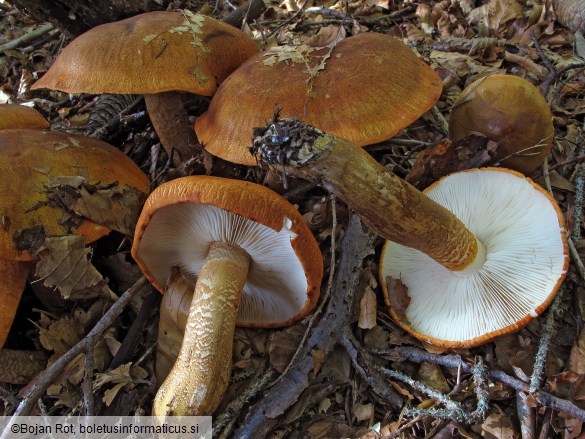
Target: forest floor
(369, 378)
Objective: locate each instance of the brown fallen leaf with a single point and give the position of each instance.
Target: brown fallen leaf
(114, 206)
(124, 376)
(368, 304)
(65, 263)
(443, 158)
(398, 298)
(432, 376)
(577, 356)
(498, 426)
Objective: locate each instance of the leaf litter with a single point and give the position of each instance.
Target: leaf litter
(462, 39)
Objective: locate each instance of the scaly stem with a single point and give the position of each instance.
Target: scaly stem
(199, 377)
(391, 207)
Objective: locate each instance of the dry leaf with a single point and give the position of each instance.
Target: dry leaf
(65, 264)
(432, 375)
(577, 356)
(368, 309)
(398, 297)
(324, 405)
(123, 376)
(363, 412)
(282, 345)
(318, 357)
(498, 426)
(114, 206)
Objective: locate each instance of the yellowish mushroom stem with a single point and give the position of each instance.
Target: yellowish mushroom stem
(391, 207)
(199, 377)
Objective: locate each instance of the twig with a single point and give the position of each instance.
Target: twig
(87, 384)
(482, 393)
(363, 364)
(47, 27)
(546, 399)
(235, 406)
(46, 378)
(526, 415)
(576, 258)
(453, 410)
(548, 330)
(553, 72)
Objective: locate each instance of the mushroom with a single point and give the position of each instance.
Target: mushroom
(29, 161)
(451, 258)
(157, 54)
(365, 89)
(522, 232)
(20, 116)
(256, 264)
(510, 111)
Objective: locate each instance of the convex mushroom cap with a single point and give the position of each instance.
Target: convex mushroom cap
(29, 161)
(510, 111)
(371, 87)
(14, 116)
(256, 263)
(524, 263)
(149, 54)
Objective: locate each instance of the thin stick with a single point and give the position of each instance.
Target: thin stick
(548, 330)
(546, 399)
(47, 27)
(47, 378)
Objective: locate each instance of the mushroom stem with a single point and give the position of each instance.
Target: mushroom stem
(171, 123)
(391, 207)
(199, 377)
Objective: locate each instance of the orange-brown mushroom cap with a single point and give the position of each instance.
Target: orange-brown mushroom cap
(150, 53)
(29, 159)
(371, 87)
(20, 116)
(214, 203)
(510, 111)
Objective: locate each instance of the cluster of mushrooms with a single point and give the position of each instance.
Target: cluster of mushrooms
(479, 254)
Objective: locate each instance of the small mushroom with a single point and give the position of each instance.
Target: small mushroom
(450, 243)
(157, 54)
(365, 89)
(29, 161)
(255, 262)
(20, 116)
(510, 111)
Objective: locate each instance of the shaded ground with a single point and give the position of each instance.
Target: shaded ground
(354, 388)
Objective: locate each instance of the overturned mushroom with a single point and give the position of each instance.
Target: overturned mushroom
(445, 243)
(256, 264)
(157, 54)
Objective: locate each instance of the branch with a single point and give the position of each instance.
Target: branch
(46, 378)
